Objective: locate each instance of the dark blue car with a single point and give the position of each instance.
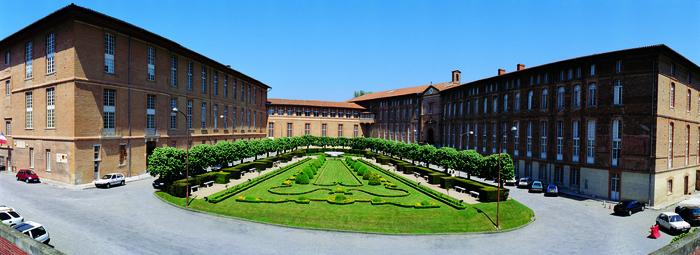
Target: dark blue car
(552, 190)
(628, 207)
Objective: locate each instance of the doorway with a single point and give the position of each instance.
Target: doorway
(615, 187)
(430, 136)
(97, 170)
(685, 185)
(150, 146)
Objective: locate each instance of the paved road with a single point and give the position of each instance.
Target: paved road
(131, 220)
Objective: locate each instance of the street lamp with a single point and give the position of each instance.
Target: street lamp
(233, 137)
(498, 198)
(187, 161)
(460, 145)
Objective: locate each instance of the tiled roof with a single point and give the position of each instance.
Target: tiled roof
(398, 92)
(316, 103)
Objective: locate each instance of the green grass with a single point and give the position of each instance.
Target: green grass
(360, 216)
(336, 171)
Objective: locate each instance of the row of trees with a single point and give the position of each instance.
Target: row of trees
(170, 161)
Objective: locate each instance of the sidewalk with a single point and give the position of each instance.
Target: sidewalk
(91, 185)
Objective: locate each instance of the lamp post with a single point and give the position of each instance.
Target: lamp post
(187, 161)
(498, 197)
(460, 143)
(233, 137)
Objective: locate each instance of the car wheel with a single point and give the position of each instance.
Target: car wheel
(629, 213)
(642, 208)
(17, 177)
(26, 180)
(108, 188)
(123, 183)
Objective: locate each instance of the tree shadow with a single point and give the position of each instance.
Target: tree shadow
(487, 216)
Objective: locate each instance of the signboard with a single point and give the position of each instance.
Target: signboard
(61, 158)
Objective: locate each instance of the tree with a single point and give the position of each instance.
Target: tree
(201, 157)
(167, 161)
(361, 93)
(470, 161)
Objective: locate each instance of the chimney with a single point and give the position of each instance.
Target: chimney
(520, 67)
(501, 71)
(455, 77)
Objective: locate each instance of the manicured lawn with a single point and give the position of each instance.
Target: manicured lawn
(359, 216)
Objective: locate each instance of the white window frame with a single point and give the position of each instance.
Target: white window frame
(189, 114)
(529, 99)
(516, 138)
(575, 148)
(173, 115)
(28, 57)
(618, 66)
(50, 107)
(29, 103)
(591, 94)
(109, 53)
(577, 96)
(204, 115)
(529, 139)
(560, 140)
(108, 108)
(173, 71)
(190, 69)
(616, 142)
(151, 63)
(543, 139)
(617, 92)
(516, 103)
(50, 50)
(545, 96)
(560, 97)
(151, 113)
(590, 143)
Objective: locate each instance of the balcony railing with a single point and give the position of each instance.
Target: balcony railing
(111, 132)
(152, 132)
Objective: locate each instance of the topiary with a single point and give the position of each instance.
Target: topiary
(302, 178)
(366, 175)
(310, 173)
(339, 197)
(315, 170)
(361, 170)
(303, 197)
(373, 179)
(377, 199)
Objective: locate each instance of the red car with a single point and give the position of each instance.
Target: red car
(27, 176)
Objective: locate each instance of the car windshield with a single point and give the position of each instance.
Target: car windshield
(29, 172)
(624, 203)
(537, 184)
(696, 211)
(107, 177)
(674, 218)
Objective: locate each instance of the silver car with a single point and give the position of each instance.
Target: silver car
(109, 180)
(673, 222)
(34, 230)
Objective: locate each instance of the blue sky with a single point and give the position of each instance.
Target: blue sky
(325, 50)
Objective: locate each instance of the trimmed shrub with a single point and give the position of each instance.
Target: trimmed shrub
(313, 168)
(223, 177)
(361, 169)
(434, 178)
(374, 179)
(317, 163)
(377, 200)
(408, 169)
(301, 178)
(447, 182)
(366, 175)
(309, 172)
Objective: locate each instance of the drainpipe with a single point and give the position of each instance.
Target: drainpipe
(129, 112)
(651, 127)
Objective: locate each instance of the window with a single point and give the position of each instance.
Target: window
(575, 145)
(483, 141)
(528, 169)
(516, 103)
(31, 158)
(204, 115)
(494, 128)
(226, 116)
(248, 93)
(355, 131)
(50, 106)
(204, 80)
(307, 129)
(8, 128)
(495, 104)
(248, 121)
(618, 66)
(560, 140)
(96, 152)
(697, 158)
(504, 138)
(687, 144)
(340, 130)
(538, 79)
(516, 168)
(561, 75)
(271, 130)
(189, 75)
(669, 189)
(560, 97)
(234, 118)
(226, 86)
(591, 94)
(242, 92)
(254, 113)
(29, 113)
(255, 93)
(578, 72)
(151, 64)
(505, 104)
(7, 87)
(315, 112)
(173, 115)
(617, 92)
(545, 95)
(299, 112)
(325, 113)
(215, 116)
(109, 101)
(672, 95)
(48, 160)
(543, 139)
(688, 103)
(476, 133)
(215, 80)
(531, 79)
(575, 177)
(233, 87)
(173, 71)
(570, 74)
(529, 139)
(591, 142)
(122, 154)
(324, 129)
(348, 114)
(670, 145)
(558, 174)
(577, 96)
(543, 172)
(7, 58)
(476, 106)
(516, 138)
(592, 69)
(616, 140)
(50, 49)
(150, 112)
(529, 100)
(673, 69)
(189, 114)
(109, 53)
(28, 56)
(486, 105)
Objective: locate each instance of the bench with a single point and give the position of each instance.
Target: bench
(459, 189)
(209, 183)
(474, 194)
(425, 177)
(194, 188)
(276, 163)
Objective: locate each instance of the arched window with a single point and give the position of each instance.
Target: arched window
(672, 96)
(617, 92)
(545, 94)
(591, 94)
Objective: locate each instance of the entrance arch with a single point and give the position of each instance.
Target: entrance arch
(430, 136)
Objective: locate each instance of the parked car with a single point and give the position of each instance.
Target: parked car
(512, 182)
(8, 216)
(27, 176)
(689, 210)
(628, 207)
(109, 180)
(551, 190)
(673, 222)
(34, 230)
(537, 186)
(160, 182)
(524, 182)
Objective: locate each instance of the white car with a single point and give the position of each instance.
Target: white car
(34, 230)
(8, 216)
(109, 180)
(673, 222)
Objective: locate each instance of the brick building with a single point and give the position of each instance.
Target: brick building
(87, 94)
(288, 117)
